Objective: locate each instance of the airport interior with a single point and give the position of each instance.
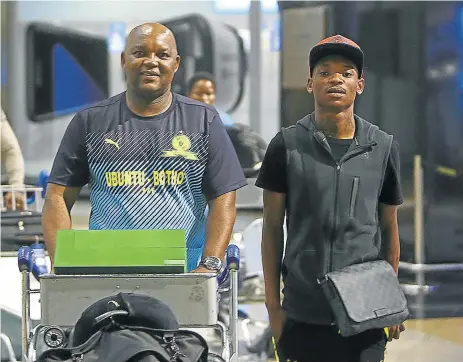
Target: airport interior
(60, 57)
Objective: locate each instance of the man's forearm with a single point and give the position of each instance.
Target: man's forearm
(11, 154)
(272, 254)
(220, 222)
(391, 235)
(55, 217)
(14, 165)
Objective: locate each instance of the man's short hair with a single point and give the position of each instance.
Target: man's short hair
(200, 76)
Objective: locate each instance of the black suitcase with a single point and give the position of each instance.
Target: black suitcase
(20, 228)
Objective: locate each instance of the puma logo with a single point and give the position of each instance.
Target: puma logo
(111, 142)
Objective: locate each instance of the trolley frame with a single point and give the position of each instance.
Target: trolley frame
(32, 203)
(167, 287)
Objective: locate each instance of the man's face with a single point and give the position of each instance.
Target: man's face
(203, 91)
(335, 83)
(150, 61)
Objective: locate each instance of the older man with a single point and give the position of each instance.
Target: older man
(153, 158)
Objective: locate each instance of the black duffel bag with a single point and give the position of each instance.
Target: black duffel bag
(129, 328)
(124, 343)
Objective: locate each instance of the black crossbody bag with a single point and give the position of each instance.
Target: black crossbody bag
(365, 296)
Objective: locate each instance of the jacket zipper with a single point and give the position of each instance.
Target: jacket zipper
(358, 150)
(335, 218)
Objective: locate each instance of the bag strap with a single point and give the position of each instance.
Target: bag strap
(387, 152)
(169, 337)
(289, 137)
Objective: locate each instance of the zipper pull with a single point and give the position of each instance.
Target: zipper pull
(173, 348)
(77, 358)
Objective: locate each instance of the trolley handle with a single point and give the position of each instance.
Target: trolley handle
(25, 259)
(41, 183)
(232, 263)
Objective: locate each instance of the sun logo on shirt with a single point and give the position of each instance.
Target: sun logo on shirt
(181, 145)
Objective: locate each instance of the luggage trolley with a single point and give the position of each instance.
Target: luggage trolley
(193, 298)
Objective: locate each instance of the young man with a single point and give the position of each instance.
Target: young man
(328, 175)
(153, 159)
(202, 87)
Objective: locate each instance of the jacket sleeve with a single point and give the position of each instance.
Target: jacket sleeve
(12, 158)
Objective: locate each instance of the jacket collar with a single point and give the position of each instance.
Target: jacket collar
(364, 131)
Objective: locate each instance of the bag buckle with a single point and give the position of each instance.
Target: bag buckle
(77, 358)
(172, 347)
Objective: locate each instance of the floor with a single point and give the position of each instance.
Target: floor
(429, 340)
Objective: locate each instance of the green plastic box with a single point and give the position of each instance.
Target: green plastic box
(120, 252)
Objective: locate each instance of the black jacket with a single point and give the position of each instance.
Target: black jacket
(332, 211)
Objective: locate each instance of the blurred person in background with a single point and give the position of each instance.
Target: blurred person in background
(202, 87)
(12, 164)
(153, 159)
(329, 175)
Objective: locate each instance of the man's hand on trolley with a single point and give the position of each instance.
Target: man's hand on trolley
(394, 332)
(201, 269)
(19, 198)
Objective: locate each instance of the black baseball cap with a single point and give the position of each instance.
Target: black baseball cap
(143, 310)
(337, 45)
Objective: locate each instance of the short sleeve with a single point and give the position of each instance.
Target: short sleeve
(223, 169)
(70, 167)
(272, 175)
(391, 193)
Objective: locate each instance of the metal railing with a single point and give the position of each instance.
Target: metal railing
(420, 266)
